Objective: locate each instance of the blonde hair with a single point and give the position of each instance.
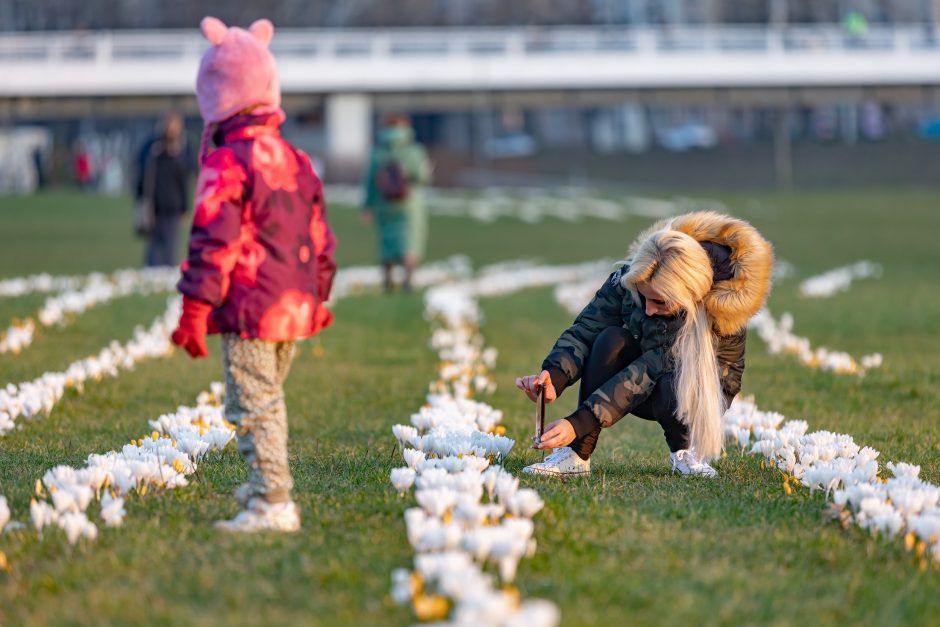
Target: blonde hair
(675, 265)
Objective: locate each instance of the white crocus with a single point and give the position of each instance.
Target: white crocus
(4, 512)
(402, 479)
(526, 503)
(112, 511)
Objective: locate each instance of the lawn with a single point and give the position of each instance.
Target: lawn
(633, 544)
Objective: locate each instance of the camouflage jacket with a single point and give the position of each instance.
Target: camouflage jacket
(613, 305)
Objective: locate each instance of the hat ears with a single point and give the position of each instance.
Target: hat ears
(213, 29)
(263, 31)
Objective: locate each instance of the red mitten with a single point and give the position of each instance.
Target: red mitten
(190, 333)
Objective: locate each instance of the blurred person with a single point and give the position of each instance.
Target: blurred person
(662, 339)
(84, 174)
(855, 27)
(398, 171)
(260, 265)
(39, 163)
(162, 191)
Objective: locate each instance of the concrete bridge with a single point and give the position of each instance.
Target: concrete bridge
(352, 73)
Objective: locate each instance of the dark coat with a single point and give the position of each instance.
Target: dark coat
(165, 177)
(741, 264)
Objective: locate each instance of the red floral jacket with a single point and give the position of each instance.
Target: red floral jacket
(260, 251)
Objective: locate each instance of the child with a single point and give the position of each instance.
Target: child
(260, 260)
(663, 339)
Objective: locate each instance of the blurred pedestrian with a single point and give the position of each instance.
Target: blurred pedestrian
(162, 191)
(39, 162)
(260, 263)
(84, 174)
(398, 171)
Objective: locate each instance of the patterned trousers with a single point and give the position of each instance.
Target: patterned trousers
(255, 371)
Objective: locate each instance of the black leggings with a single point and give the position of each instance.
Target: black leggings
(613, 350)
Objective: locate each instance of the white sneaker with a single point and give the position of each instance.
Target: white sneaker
(688, 463)
(263, 516)
(562, 461)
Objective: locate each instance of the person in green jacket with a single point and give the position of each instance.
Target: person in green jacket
(398, 171)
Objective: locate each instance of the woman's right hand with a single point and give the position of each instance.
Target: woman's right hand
(530, 385)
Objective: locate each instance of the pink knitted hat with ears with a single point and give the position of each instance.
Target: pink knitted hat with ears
(238, 71)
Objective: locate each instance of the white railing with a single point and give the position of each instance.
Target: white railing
(142, 46)
(35, 61)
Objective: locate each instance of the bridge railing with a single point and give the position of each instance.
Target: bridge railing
(107, 47)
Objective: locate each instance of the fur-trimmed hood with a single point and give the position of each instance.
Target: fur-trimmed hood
(731, 302)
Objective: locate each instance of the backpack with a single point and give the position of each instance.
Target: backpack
(392, 182)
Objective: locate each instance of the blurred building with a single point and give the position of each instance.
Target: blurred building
(24, 15)
(656, 92)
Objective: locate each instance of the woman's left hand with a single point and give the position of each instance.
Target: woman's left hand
(559, 433)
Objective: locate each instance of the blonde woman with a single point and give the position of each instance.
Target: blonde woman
(663, 339)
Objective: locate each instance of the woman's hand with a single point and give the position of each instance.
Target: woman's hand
(559, 433)
(530, 385)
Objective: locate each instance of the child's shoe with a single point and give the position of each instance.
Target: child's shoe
(562, 462)
(244, 493)
(688, 463)
(263, 516)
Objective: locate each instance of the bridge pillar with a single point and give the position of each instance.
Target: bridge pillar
(348, 135)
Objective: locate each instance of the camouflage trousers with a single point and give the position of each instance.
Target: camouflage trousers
(255, 371)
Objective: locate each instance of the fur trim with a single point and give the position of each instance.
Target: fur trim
(730, 303)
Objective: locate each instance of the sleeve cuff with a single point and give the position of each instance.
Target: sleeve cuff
(583, 421)
(559, 379)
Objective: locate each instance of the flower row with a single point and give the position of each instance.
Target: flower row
(779, 337)
(161, 460)
(847, 473)
(533, 205)
(34, 398)
(839, 279)
(39, 284)
(31, 399)
(470, 512)
(96, 289)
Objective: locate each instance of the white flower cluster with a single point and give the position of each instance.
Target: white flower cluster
(161, 460)
(18, 336)
(39, 283)
(506, 278)
(533, 205)
(839, 279)
(464, 360)
(573, 297)
(4, 512)
(34, 398)
(779, 337)
(449, 449)
(95, 289)
(848, 473)
(359, 279)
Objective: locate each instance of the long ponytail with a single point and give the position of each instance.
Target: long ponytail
(676, 266)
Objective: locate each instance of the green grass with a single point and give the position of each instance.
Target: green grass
(631, 545)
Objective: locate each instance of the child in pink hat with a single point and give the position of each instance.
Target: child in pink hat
(260, 262)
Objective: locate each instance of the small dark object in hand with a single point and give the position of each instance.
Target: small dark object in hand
(539, 417)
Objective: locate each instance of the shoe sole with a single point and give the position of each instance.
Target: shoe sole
(229, 529)
(694, 474)
(555, 473)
